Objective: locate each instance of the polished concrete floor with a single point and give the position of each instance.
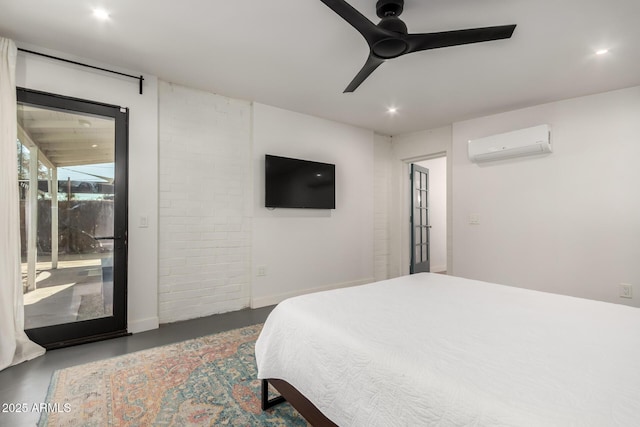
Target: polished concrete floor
(28, 382)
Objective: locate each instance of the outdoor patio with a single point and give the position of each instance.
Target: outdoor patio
(72, 292)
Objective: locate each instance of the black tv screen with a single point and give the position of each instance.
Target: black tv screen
(295, 183)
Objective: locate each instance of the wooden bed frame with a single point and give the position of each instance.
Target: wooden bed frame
(289, 393)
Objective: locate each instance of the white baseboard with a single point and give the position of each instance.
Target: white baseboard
(438, 268)
(275, 299)
(142, 325)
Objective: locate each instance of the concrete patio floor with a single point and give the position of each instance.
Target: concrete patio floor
(70, 293)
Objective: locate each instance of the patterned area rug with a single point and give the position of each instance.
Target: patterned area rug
(209, 381)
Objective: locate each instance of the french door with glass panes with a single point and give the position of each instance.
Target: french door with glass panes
(420, 260)
(72, 173)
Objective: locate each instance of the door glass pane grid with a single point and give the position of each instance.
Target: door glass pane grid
(420, 233)
(419, 194)
(421, 244)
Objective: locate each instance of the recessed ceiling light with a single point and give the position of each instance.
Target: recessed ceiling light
(101, 14)
(602, 51)
(392, 110)
(94, 146)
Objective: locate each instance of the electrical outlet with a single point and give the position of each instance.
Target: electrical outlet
(626, 290)
(474, 219)
(261, 270)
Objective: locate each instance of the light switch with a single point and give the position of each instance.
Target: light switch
(474, 219)
(144, 221)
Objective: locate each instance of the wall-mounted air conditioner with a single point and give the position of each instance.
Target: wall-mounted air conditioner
(523, 142)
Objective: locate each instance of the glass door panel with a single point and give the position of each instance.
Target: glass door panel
(71, 165)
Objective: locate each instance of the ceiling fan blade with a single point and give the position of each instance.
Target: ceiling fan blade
(427, 41)
(372, 63)
(368, 29)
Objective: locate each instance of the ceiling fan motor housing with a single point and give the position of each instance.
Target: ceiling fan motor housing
(386, 8)
(388, 11)
(389, 48)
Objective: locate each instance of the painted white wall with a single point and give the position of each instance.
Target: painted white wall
(408, 148)
(437, 199)
(205, 203)
(306, 250)
(567, 223)
(382, 169)
(47, 75)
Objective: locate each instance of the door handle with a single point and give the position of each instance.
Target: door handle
(114, 238)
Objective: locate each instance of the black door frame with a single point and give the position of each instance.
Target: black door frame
(66, 334)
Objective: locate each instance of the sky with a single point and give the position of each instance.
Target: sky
(90, 173)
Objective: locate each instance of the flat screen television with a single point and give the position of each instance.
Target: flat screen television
(295, 183)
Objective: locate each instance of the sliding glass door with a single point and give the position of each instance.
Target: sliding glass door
(72, 172)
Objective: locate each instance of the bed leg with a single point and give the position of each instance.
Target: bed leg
(267, 403)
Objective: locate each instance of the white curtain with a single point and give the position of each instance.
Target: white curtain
(15, 346)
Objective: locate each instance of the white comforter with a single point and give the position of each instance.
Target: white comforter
(429, 349)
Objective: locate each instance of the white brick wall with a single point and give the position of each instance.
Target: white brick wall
(382, 157)
(205, 203)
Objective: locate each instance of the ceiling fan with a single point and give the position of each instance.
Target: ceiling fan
(390, 39)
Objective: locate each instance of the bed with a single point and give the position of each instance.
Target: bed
(430, 349)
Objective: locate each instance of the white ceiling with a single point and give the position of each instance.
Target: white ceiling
(299, 55)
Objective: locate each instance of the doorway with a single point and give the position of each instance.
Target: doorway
(427, 204)
(72, 173)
